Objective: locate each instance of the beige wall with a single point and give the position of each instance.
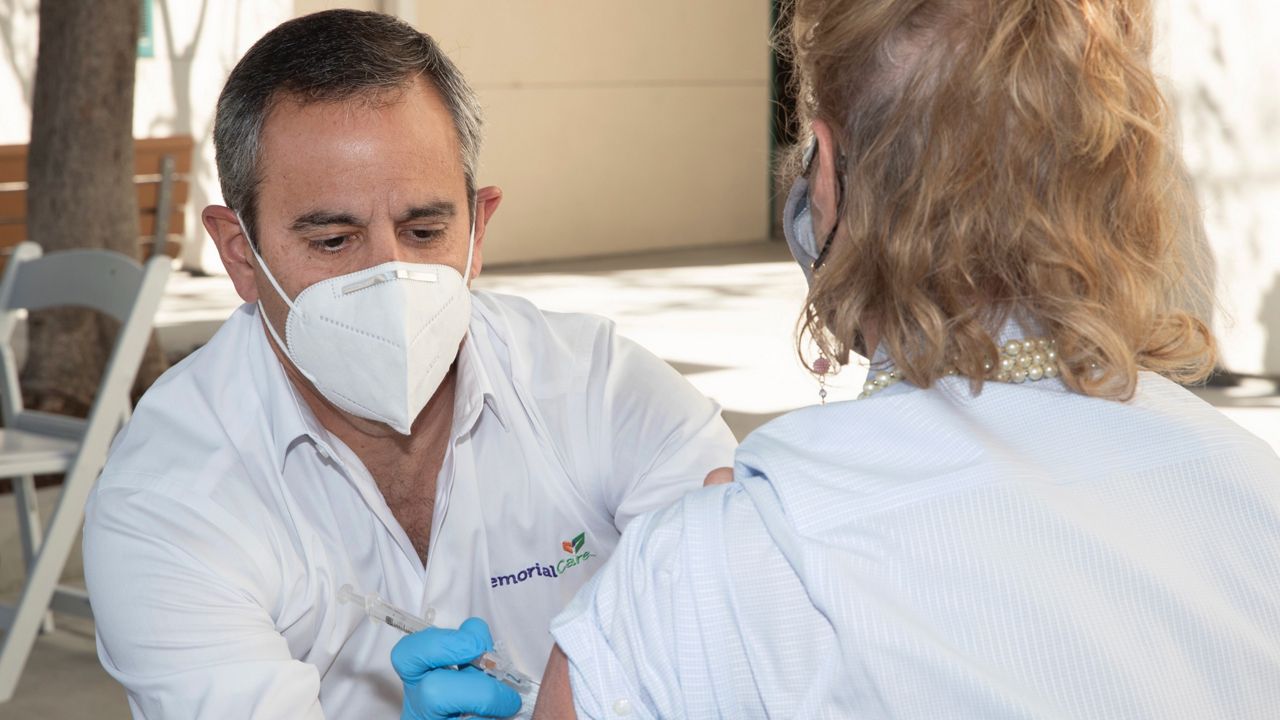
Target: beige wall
(616, 127)
(306, 7)
(612, 127)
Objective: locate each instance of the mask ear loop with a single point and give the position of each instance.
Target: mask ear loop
(471, 241)
(809, 151)
(253, 247)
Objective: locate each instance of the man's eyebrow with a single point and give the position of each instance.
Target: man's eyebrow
(438, 209)
(321, 218)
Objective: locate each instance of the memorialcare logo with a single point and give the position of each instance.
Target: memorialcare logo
(574, 546)
(577, 554)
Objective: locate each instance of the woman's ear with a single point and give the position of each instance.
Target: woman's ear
(823, 192)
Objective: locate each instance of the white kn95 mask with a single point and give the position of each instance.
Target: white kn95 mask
(377, 342)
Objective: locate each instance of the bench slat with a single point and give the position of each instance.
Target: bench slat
(13, 203)
(13, 233)
(13, 166)
(146, 157)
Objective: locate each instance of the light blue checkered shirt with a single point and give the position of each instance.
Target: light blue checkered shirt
(1028, 553)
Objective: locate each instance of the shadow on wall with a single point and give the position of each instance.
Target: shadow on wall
(1221, 75)
(17, 43)
(1269, 317)
(183, 68)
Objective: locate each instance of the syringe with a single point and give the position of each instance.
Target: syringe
(491, 663)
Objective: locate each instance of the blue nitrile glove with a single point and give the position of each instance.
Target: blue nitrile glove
(434, 690)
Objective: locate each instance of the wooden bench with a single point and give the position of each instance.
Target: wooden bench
(161, 170)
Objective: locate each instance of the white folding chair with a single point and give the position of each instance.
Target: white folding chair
(33, 443)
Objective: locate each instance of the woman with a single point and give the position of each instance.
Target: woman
(1026, 515)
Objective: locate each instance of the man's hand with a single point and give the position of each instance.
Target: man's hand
(719, 476)
(434, 689)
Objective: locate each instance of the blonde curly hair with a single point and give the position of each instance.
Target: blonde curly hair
(1004, 159)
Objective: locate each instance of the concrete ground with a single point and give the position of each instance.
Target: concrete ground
(723, 317)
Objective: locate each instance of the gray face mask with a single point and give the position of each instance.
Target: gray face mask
(797, 220)
(797, 226)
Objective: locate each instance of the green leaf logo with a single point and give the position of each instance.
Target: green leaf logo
(579, 541)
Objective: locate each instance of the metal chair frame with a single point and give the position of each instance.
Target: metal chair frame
(34, 443)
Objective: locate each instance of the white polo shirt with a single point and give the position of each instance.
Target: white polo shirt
(227, 517)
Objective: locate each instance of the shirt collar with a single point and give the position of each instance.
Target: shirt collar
(1015, 328)
(475, 390)
(288, 418)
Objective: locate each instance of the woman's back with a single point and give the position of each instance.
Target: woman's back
(1029, 552)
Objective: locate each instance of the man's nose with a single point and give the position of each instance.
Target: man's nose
(383, 245)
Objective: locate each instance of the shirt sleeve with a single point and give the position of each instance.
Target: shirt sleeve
(613, 631)
(181, 602)
(656, 436)
(649, 636)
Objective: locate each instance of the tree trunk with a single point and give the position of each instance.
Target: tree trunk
(81, 192)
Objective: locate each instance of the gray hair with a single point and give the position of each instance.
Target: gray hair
(328, 57)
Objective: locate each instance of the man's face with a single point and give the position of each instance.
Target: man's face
(346, 186)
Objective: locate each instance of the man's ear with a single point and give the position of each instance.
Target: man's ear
(822, 180)
(233, 248)
(487, 201)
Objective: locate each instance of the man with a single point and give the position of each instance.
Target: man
(364, 419)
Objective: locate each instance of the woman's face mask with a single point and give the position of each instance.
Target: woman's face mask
(797, 226)
(797, 219)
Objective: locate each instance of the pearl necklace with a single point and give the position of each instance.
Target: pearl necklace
(1020, 361)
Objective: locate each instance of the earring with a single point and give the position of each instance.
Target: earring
(822, 366)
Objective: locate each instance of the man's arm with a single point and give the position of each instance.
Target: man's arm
(180, 597)
(654, 436)
(555, 698)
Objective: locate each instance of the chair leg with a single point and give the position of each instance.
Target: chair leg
(44, 576)
(24, 495)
